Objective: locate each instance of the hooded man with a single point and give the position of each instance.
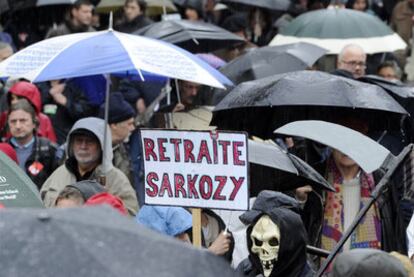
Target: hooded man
(85, 161)
(276, 237)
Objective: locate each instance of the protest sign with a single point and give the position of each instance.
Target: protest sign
(196, 169)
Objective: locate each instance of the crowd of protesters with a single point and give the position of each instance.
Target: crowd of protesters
(55, 132)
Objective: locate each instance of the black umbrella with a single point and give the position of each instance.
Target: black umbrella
(270, 60)
(394, 88)
(95, 241)
(279, 5)
(292, 172)
(196, 37)
(265, 104)
(15, 5)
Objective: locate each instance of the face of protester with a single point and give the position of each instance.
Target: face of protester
(121, 130)
(342, 160)
(5, 53)
(191, 14)
(188, 92)
(388, 73)
(354, 61)
(21, 125)
(83, 15)
(86, 150)
(132, 10)
(68, 203)
(360, 5)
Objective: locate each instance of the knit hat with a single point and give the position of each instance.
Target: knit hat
(107, 198)
(119, 109)
(88, 188)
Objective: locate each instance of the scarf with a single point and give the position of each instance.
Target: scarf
(368, 232)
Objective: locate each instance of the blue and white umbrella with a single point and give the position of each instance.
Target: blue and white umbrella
(105, 52)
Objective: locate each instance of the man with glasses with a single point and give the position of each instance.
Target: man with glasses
(352, 58)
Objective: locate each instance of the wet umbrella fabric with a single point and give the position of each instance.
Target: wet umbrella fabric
(15, 5)
(335, 28)
(367, 153)
(292, 172)
(394, 88)
(196, 37)
(258, 106)
(279, 5)
(107, 52)
(271, 60)
(16, 188)
(95, 241)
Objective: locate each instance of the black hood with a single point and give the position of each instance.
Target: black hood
(284, 212)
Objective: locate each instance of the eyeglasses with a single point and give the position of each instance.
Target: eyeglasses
(355, 64)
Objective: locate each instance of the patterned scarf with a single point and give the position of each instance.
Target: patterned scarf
(368, 232)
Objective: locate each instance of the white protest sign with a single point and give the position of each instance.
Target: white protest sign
(196, 169)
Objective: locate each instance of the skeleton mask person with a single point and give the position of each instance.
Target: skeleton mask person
(276, 238)
(265, 237)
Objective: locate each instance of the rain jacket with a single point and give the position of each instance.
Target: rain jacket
(67, 28)
(137, 23)
(116, 182)
(284, 212)
(32, 94)
(44, 152)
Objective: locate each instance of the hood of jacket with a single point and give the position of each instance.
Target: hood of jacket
(167, 220)
(28, 91)
(284, 212)
(96, 126)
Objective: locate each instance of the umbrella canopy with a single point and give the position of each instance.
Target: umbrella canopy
(271, 60)
(194, 36)
(335, 28)
(16, 188)
(271, 102)
(279, 5)
(367, 153)
(95, 241)
(24, 4)
(292, 172)
(393, 88)
(92, 53)
(154, 7)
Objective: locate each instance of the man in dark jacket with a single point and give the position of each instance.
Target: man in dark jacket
(36, 155)
(64, 103)
(134, 17)
(276, 238)
(80, 20)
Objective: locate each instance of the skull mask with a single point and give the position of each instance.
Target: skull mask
(265, 238)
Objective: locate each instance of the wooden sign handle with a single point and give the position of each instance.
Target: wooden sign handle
(196, 212)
